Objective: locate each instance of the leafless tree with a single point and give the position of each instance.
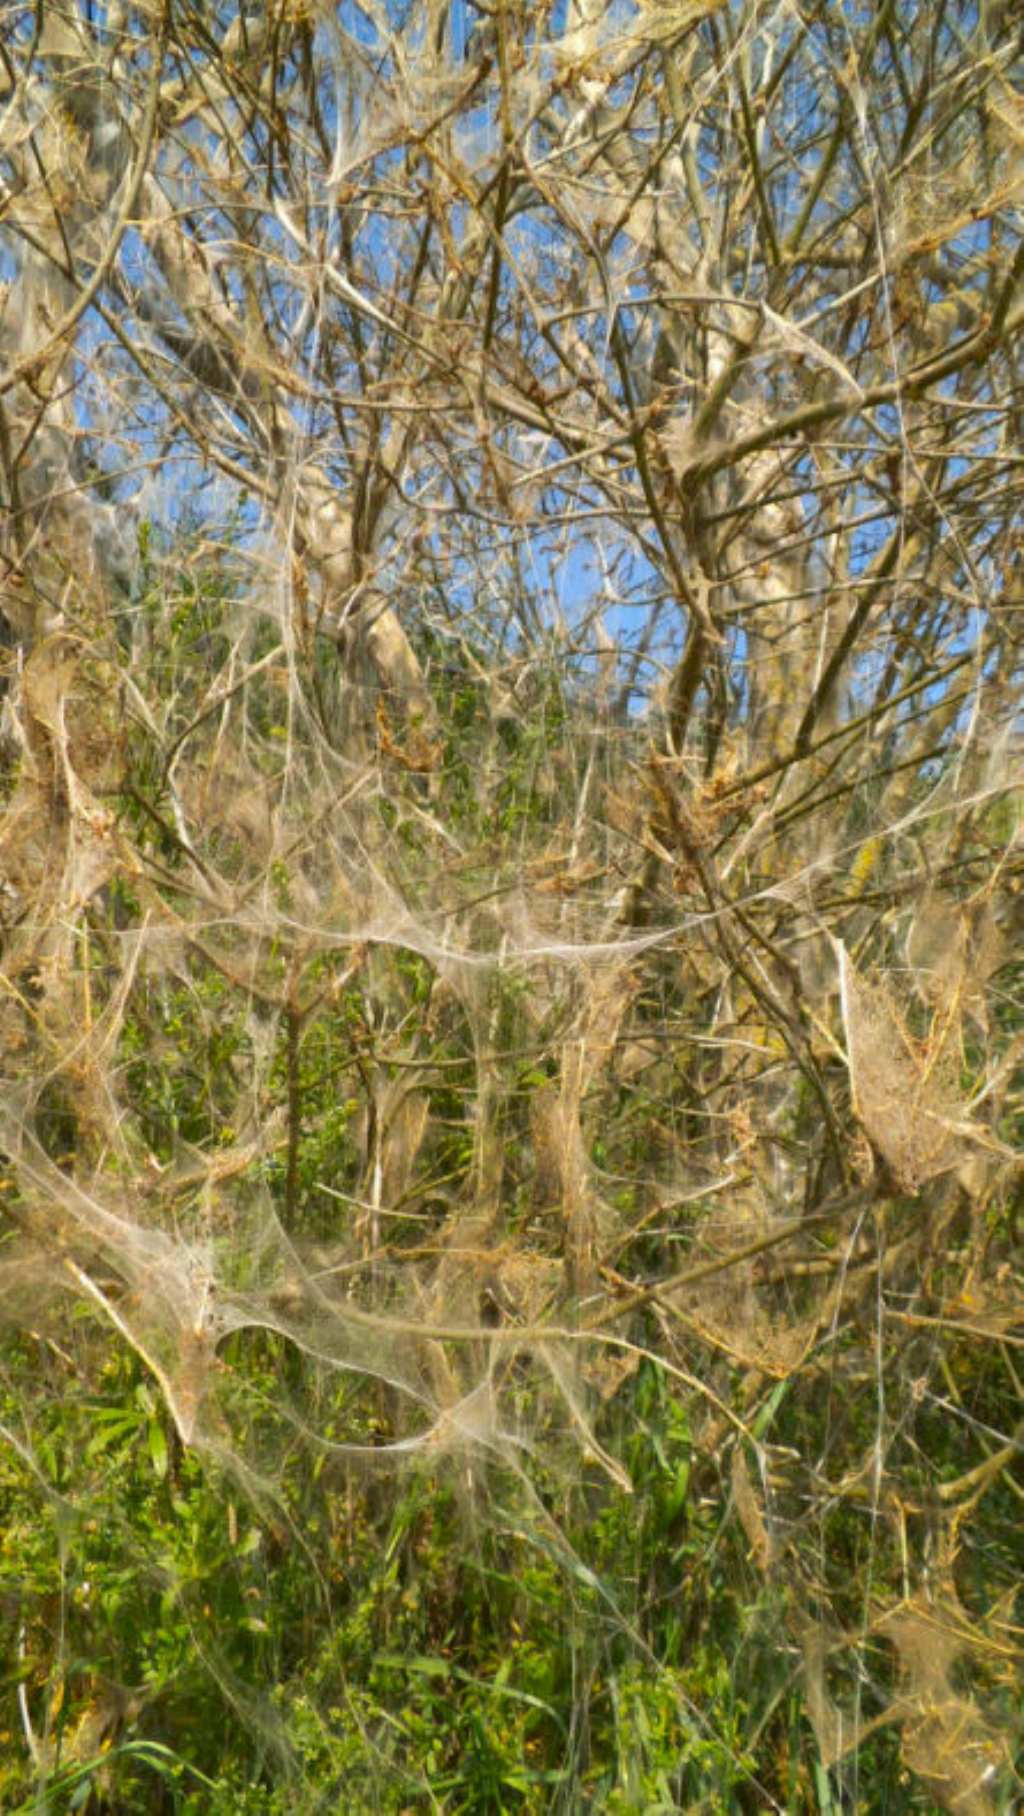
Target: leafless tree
(642, 384)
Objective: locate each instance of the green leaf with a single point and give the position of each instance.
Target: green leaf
(111, 1430)
(158, 1450)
